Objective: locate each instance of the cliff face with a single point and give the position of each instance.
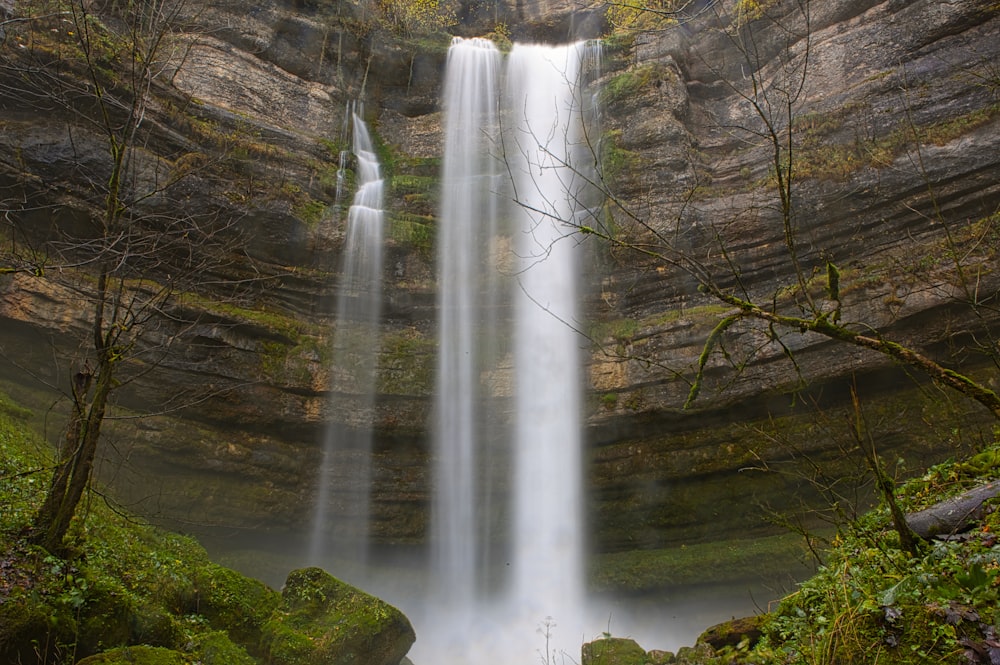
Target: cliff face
(899, 176)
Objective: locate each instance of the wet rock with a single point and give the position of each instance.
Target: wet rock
(323, 621)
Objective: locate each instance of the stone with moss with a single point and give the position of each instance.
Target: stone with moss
(323, 621)
(613, 651)
(235, 603)
(745, 630)
(138, 655)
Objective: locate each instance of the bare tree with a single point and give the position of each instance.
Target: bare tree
(134, 243)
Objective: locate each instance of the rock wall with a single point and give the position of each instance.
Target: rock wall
(896, 124)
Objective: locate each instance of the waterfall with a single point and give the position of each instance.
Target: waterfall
(542, 145)
(467, 329)
(508, 273)
(341, 518)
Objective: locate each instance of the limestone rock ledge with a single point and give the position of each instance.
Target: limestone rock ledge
(266, 87)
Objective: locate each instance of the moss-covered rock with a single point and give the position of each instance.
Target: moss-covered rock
(138, 655)
(613, 651)
(237, 604)
(746, 630)
(323, 621)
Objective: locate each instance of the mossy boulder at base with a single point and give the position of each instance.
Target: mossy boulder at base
(732, 633)
(323, 621)
(613, 651)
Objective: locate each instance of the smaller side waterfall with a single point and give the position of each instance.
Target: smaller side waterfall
(341, 519)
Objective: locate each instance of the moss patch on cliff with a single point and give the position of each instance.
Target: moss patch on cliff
(823, 157)
(406, 363)
(630, 84)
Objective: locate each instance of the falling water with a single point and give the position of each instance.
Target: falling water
(542, 573)
(467, 284)
(340, 524)
(543, 145)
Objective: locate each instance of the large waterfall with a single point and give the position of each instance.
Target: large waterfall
(468, 296)
(508, 526)
(541, 144)
(341, 518)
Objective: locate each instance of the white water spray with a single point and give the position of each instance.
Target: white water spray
(341, 520)
(487, 609)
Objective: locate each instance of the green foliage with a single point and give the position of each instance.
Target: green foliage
(750, 10)
(413, 17)
(638, 15)
(871, 602)
(124, 584)
(628, 84)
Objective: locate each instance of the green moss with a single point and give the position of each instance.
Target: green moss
(629, 84)
(619, 330)
(139, 655)
(406, 363)
(818, 157)
(731, 561)
(614, 651)
(310, 211)
(415, 231)
(322, 621)
(617, 163)
(124, 584)
(216, 648)
(236, 603)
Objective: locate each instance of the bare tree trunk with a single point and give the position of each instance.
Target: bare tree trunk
(72, 475)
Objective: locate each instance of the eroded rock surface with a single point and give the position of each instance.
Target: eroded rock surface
(898, 127)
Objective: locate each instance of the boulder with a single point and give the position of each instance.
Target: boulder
(323, 621)
(613, 651)
(731, 633)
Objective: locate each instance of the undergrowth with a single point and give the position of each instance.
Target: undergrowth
(872, 603)
(123, 583)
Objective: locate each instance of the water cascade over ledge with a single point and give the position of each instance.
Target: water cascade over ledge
(345, 472)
